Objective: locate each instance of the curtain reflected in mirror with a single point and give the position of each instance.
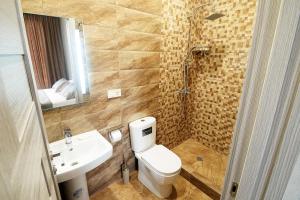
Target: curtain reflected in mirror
(57, 53)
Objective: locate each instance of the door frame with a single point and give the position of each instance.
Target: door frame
(33, 90)
(263, 151)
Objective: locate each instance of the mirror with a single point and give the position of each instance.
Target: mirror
(58, 57)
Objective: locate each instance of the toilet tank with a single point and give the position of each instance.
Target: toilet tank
(142, 133)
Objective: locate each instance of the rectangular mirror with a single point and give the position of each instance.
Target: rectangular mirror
(58, 57)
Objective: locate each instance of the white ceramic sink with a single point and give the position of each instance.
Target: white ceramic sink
(87, 151)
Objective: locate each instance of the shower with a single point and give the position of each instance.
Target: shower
(198, 49)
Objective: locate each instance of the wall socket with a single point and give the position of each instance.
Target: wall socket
(113, 93)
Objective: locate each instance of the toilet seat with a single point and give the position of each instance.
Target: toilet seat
(161, 160)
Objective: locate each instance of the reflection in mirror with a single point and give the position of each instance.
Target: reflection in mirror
(58, 58)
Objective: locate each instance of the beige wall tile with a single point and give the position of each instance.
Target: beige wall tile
(51, 4)
(100, 81)
(129, 19)
(101, 95)
(54, 132)
(102, 14)
(105, 118)
(106, 79)
(149, 6)
(32, 6)
(141, 93)
(138, 110)
(98, 104)
(101, 38)
(133, 41)
(99, 61)
(91, 12)
(97, 120)
(78, 124)
(70, 112)
(52, 116)
(132, 78)
(71, 8)
(138, 60)
(108, 1)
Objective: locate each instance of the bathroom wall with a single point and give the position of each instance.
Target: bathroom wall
(216, 79)
(123, 45)
(135, 45)
(172, 120)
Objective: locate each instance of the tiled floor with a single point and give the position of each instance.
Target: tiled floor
(210, 171)
(201, 162)
(136, 191)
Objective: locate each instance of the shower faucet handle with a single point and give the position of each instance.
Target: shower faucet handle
(183, 91)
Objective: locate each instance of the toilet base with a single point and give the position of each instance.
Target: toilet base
(147, 179)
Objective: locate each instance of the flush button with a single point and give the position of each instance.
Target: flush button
(147, 131)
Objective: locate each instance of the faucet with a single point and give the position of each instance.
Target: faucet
(68, 135)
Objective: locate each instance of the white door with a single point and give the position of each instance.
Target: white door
(25, 172)
(267, 133)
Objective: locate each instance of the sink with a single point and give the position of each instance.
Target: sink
(86, 152)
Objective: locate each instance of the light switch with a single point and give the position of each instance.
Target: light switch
(113, 93)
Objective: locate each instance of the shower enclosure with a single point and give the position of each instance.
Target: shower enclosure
(203, 161)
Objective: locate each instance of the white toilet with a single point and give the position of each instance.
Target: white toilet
(158, 166)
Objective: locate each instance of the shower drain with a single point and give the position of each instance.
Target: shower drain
(199, 158)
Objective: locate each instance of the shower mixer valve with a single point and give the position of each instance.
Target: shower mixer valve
(183, 91)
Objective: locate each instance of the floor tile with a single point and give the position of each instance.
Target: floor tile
(135, 190)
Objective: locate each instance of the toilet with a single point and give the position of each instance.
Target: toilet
(158, 166)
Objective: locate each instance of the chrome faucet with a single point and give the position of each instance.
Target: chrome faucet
(68, 135)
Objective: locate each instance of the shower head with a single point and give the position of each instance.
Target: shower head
(214, 16)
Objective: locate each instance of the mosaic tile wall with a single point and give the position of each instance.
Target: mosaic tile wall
(216, 80)
(172, 121)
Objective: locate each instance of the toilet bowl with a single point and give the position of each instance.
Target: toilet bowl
(158, 166)
(158, 169)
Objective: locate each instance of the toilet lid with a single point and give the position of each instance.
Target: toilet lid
(162, 159)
